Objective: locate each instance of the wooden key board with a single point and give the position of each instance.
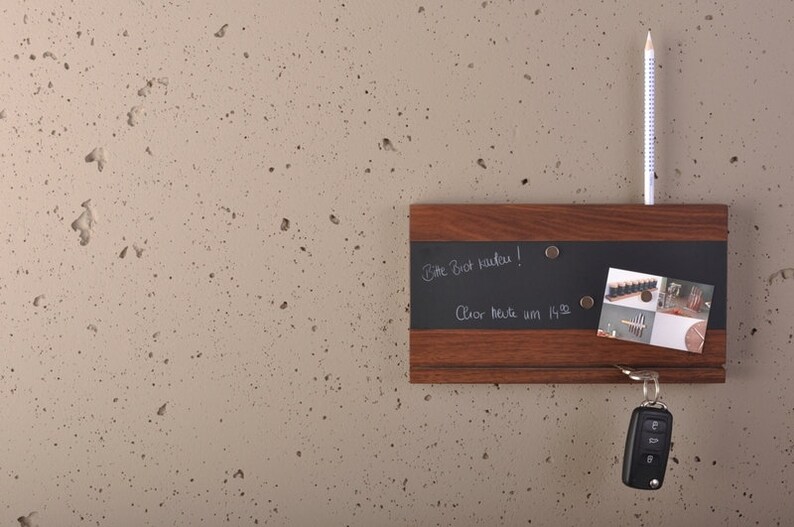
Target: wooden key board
(513, 293)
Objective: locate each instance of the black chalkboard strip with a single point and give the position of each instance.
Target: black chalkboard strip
(514, 285)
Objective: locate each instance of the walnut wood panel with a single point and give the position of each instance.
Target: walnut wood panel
(605, 375)
(550, 348)
(560, 356)
(569, 223)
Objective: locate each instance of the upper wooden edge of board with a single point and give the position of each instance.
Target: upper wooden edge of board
(524, 222)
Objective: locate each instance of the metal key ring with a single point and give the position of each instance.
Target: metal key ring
(655, 390)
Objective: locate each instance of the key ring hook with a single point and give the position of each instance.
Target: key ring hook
(645, 376)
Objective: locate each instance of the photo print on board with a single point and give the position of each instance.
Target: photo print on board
(655, 310)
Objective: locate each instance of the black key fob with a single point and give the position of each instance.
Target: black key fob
(647, 447)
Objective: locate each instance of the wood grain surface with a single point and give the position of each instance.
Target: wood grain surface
(569, 223)
(550, 348)
(605, 375)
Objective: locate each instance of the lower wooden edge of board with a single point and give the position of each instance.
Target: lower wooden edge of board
(597, 375)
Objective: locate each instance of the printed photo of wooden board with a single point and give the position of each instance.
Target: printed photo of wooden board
(674, 316)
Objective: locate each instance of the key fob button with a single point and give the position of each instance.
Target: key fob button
(653, 442)
(649, 459)
(656, 426)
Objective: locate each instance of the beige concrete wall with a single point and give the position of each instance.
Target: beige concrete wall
(236, 368)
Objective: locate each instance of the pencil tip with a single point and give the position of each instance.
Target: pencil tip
(648, 42)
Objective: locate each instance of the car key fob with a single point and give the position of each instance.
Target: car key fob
(647, 447)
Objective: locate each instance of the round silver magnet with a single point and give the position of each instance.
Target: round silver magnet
(552, 252)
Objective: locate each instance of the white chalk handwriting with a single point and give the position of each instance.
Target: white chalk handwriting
(465, 313)
(458, 267)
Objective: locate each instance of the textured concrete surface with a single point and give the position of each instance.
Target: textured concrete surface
(204, 273)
